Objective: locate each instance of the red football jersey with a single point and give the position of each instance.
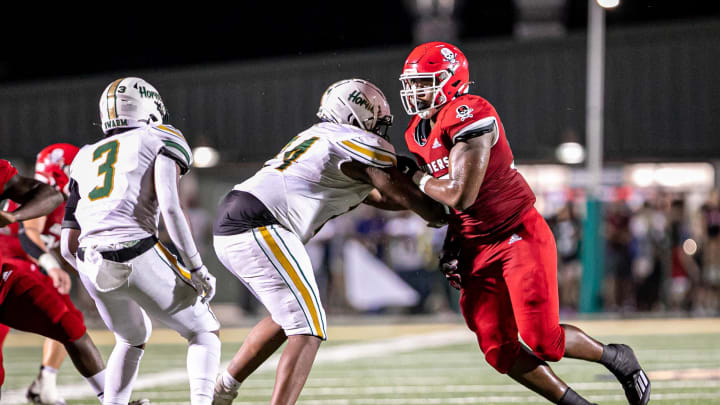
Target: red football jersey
(7, 171)
(504, 196)
(50, 233)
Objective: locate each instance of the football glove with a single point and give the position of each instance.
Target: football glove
(407, 165)
(449, 268)
(204, 283)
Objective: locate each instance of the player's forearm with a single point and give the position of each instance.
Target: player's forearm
(380, 201)
(446, 191)
(41, 200)
(173, 215)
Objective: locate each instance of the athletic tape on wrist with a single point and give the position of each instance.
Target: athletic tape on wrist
(48, 261)
(424, 181)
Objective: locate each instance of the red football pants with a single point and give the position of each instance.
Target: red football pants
(512, 289)
(29, 302)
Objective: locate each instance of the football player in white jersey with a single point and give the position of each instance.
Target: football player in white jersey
(264, 222)
(119, 187)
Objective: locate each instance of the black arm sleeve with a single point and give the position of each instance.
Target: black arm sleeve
(464, 137)
(69, 220)
(28, 245)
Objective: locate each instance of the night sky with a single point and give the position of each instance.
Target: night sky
(49, 42)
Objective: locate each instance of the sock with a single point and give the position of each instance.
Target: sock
(608, 356)
(48, 369)
(120, 373)
(97, 383)
(571, 397)
(203, 360)
(229, 382)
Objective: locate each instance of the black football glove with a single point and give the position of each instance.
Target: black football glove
(407, 165)
(449, 268)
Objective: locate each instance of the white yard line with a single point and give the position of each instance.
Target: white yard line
(332, 354)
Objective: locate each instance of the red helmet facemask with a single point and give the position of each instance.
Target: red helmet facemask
(434, 73)
(53, 165)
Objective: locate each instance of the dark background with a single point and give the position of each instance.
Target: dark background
(48, 42)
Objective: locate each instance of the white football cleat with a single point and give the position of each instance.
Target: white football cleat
(223, 395)
(43, 390)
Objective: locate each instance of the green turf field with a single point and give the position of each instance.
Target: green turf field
(433, 365)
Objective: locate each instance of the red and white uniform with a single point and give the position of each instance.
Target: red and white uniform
(28, 300)
(507, 251)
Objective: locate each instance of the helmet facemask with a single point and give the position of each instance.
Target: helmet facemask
(422, 93)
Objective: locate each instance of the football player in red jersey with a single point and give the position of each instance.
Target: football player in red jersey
(37, 238)
(498, 251)
(29, 301)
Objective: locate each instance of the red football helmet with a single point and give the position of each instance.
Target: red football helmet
(53, 165)
(434, 73)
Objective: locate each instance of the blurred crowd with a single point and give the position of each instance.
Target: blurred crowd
(662, 254)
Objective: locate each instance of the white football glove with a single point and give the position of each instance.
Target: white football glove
(204, 283)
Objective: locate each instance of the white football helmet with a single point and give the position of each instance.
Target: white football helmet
(356, 102)
(131, 102)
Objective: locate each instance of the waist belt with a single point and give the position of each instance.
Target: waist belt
(124, 254)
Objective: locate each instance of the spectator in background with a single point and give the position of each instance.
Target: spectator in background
(684, 271)
(619, 291)
(408, 249)
(709, 289)
(649, 248)
(567, 228)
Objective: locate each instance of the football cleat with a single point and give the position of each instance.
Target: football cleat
(223, 395)
(627, 370)
(43, 390)
(142, 401)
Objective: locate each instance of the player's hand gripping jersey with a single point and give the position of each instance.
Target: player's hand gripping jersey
(303, 186)
(112, 182)
(504, 195)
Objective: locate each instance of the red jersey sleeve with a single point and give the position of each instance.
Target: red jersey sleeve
(7, 171)
(469, 116)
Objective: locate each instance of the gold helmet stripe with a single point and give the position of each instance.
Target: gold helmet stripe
(112, 99)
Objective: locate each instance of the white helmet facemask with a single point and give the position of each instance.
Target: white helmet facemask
(131, 102)
(356, 102)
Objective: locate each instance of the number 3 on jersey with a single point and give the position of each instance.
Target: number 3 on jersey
(106, 169)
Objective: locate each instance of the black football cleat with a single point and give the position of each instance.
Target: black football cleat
(621, 361)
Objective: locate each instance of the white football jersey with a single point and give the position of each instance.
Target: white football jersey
(303, 186)
(115, 183)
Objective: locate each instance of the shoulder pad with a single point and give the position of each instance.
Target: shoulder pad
(175, 145)
(369, 149)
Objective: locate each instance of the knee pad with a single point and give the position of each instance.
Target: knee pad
(503, 357)
(137, 336)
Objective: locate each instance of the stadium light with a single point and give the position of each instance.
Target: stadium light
(570, 153)
(608, 3)
(205, 156)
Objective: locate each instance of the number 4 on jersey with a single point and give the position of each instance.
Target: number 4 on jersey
(292, 155)
(106, 169)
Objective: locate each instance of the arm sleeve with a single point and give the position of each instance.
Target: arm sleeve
(369, 149)
(69, 221)
(169, 203)
(28, 245)
(477, 128)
